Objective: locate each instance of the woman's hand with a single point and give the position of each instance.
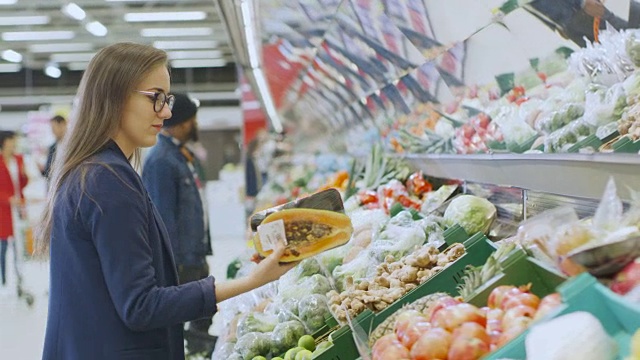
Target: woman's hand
(270, 269)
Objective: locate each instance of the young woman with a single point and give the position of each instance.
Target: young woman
(114, 292)
(12, 181)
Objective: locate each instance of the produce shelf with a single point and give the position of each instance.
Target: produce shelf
(579, 175)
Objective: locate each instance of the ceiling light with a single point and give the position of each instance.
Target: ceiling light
(74, 11)
(165, 16)
(77, 66)
(210, 54)
(24, 20)
(198, 63)
(37, 35)
(8, 2)
(53, 71)
(60, 47)
(72, 57)
(194, 44)
(160, 32)
(12, 56)
(10, 68)
(96, 28)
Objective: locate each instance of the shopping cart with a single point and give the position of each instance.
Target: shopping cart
(17, 243)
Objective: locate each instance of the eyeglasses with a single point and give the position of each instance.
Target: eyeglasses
(159, 99)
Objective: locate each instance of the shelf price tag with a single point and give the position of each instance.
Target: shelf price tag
(271, 234)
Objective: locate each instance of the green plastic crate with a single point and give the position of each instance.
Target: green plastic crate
(479, 248)
(620, 319)
(589, 141)
(519, 269)
(626, 145)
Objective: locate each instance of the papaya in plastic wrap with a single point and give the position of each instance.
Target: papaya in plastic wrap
(308, 232)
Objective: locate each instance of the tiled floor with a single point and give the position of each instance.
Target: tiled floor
(22, 327)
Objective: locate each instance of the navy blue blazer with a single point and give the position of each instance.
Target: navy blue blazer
(114, 292)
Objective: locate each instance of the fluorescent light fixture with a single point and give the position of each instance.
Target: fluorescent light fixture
(205, 54)
(194, 44)
(96, 28)
(8, 2)
(53, 71)
(77, 66)
(24, 20)
(72, 57)
(165, 16)
(199, 63)
(74, 11)
(12, 56)
(37, 35)
(171, 32)
(10, 68)
(60, 47)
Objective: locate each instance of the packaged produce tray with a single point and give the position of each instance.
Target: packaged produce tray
(478, 250)
(619, 318)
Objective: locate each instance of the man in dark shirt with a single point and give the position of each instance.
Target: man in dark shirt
(59, 128)
(573, 19)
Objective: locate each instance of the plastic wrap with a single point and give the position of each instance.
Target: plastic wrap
(312, 310)
(605, 105)
(314, 284)
(361, 267)
(558, 119)
(474, 214)
(253, 344)
(400, 235)
(515, 130)
(285, 336)
(255, 322)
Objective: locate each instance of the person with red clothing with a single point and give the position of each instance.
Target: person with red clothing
(12, 180)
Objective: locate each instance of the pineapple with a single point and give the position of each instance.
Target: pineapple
(387, 327)
(477, 276)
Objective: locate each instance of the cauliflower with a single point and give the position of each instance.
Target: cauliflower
(255, 322)
(313, 309)
(253, 344)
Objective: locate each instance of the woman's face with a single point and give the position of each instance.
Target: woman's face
(140, 124)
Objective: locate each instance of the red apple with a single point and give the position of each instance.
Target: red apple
(406, 319)
(383, 343)
(526, 299)
(413, 333)
(512, 315)
(451, 317)
(440, 304)
(470, 342)
(547, 304)
(517, 326)
(432, 345)
(497, 294)
(627, 279)
(395, 351)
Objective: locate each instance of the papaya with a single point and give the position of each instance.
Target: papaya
(308, 232)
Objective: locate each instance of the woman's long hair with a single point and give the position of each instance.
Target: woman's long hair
(104, 90)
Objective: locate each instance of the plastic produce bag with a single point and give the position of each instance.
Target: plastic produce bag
(400, 235)
(558, 119)
(285, 336)
(313, 309)
(605, 105)
(253, 344)
(255, 322)
(474, 214)
(358, 268)
(515, 130)
(224, 350)
(314, 284)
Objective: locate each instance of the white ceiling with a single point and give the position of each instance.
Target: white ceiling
(191, 43)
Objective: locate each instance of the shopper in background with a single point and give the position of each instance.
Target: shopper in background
(59, 128)
(12, 180)
(114, 290)
(573, 19)
(252, 177)
(171, 177)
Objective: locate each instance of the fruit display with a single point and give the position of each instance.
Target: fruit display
(393, 280)
(451, 329)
